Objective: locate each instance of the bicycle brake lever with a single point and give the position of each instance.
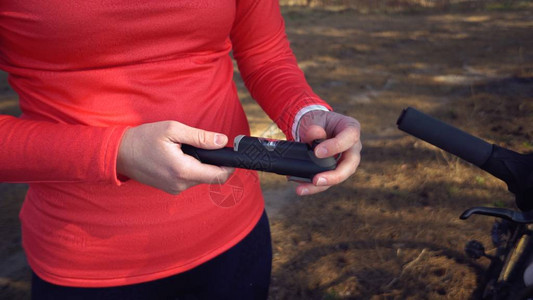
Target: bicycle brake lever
(511, 215)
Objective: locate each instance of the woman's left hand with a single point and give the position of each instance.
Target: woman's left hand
(341, 135)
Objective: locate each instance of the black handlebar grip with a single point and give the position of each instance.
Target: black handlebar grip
(220, 157)
(281, 157)
(444, 136)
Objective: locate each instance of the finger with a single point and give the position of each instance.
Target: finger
(311, 133)
(182, 185)
(343, 141)
(309, 189)
(346, 166)
(193, 170)
(181, 133)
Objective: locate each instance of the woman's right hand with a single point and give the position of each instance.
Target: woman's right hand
(151, 154)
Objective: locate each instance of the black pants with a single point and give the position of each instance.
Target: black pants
(243, 272)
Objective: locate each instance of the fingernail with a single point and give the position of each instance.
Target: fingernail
(322, 152)
(321, 181)
(220, 139)
(304, 191)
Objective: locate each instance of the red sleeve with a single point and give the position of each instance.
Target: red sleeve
(39, 151)
(267, 64)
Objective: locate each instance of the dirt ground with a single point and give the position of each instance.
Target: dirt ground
(391, 231)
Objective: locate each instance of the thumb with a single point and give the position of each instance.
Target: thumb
(311, 133)
(199, 138)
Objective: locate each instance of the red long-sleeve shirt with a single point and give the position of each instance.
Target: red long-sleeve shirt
(85, 71)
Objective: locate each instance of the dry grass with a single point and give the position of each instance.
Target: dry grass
(392, 231)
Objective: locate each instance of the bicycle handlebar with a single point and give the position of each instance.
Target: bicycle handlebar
(513, 168)
(294, 159)
(444, 136)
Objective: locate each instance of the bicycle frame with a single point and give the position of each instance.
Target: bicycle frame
(504, 276)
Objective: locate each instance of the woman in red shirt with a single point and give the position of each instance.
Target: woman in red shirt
(108, 91)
